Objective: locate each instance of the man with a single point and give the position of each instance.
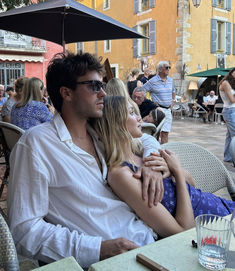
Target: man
(210, 103)
(146, 106)
(144, 79)
(59, 203)
(162, 91)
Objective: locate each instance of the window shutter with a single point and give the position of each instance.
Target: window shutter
(213, 35)
(228, 38)
(214, 3)
(228, 5)
(136, 6)
(152, 37)
(135, 44)
(152, 3)
(233, 39)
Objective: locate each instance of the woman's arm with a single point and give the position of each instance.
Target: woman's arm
(158, 218)
(225, 86)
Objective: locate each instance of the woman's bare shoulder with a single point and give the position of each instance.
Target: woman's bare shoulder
(119, 173)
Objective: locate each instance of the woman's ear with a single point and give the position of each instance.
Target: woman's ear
(66, 93)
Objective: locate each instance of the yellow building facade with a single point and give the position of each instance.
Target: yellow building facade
(191, 39)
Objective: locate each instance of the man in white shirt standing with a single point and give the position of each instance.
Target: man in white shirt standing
(59, 204)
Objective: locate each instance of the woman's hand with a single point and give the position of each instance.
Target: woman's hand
(157, 164)
(172, 161)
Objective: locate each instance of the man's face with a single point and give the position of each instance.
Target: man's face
(85, 102)
(212, 93)
(165, 70)
(138, 97)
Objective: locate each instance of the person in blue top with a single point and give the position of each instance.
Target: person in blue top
(2, 98)
(181, 202)
(30, 110)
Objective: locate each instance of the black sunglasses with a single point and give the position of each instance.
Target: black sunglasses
(95, 85)
(168, 67)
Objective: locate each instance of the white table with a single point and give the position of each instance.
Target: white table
(175, 253)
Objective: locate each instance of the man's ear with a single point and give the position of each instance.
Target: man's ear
(66, 93)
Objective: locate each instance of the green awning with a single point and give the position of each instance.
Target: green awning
(211, 72)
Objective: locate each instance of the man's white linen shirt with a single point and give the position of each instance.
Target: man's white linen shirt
(54, 179)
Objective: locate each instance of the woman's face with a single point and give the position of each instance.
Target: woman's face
(233, 74)
(133, 122)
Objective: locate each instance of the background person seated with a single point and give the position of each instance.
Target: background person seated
(31, 111)
(6, 109)
(202, 104)
(149, 111)
(210, 103)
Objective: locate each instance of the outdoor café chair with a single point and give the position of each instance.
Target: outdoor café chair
(9, 135)
(208, 171)
(8, 255)
(217, 115)
(199, 110)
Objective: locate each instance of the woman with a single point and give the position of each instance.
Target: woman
(133, 82)
(181, 202)
(227, 93)
(6, 109)
(31, 111)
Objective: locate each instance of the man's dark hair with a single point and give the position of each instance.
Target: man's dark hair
(63, 71)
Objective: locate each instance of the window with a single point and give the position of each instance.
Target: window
(114, 69)
(143, 5)
(142, 47)
(220, 37)
(80, 47)
(107, 46)
(9, 72)
(145, 42)
(106, 4)
(222, 4)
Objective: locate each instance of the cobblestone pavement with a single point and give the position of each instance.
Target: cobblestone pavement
(210, 136)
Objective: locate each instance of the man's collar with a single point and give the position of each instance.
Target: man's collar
(61, 128)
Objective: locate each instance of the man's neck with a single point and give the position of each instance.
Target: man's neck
(163, 76)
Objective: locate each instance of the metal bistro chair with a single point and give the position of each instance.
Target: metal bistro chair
(217, 115)
(8, 255)
(207, 170)
(199, 110)
(9, 135)
(177, 110)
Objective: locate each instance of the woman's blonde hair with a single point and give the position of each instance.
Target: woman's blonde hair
(31, 91)
(113, 131)
(116, 87)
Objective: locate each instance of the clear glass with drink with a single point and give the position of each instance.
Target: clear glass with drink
(213, 239)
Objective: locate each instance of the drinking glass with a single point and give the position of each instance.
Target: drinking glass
(213, 239)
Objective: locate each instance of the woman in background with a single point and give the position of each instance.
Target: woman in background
(6, 109)
(30, 110)
(227, 94)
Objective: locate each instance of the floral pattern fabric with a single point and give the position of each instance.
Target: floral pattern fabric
(30, 115)
(202, 202)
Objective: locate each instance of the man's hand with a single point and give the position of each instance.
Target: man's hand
(157, 163)
(114, 247)
(152, 186)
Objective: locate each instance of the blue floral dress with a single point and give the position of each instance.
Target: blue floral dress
(30, 115)
(202, 202)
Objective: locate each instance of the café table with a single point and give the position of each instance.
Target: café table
(174, 253)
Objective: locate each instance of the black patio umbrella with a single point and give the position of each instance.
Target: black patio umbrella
(64, 21)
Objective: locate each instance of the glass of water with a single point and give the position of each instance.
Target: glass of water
(213, 239)
(233, 223)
